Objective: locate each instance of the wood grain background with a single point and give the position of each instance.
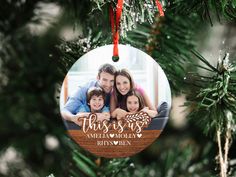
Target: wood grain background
(114, 150)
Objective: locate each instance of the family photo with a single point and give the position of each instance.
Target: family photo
(112, 93)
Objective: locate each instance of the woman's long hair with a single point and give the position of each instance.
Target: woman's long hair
(119, 98)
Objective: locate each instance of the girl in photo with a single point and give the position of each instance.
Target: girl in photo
(135, 104)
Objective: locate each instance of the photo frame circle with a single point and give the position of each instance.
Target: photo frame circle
(117, 111)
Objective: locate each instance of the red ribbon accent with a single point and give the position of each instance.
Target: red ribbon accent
(159, 6)
(115, 27)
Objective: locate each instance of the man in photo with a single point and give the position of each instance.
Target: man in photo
(77, 103)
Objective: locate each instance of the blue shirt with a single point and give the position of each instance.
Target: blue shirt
(78, 101)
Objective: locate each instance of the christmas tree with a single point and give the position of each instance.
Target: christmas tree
(194, 43)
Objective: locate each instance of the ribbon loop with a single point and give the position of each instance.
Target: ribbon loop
(115, 24)
(159, 6)
(115, 28)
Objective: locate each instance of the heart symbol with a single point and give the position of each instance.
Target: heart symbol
(139, 135)
(111, 135)
(115, 142)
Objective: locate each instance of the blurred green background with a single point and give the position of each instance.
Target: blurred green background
(39, 42)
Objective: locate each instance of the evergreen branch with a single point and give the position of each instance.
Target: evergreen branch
(29, 75)
(198, 55)
(84, 167)
(216, 10)
(169, 46)
(133, 12)
(217, 100)
(205, 9)
(85, 159)
(200, 66)
(207, 12)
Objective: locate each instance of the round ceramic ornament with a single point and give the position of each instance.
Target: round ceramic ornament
(115, 109)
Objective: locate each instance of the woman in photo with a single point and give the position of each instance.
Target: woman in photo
(123, 85)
